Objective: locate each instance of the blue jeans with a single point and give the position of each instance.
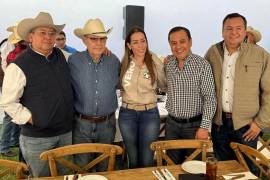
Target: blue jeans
(86, 131)
(175, 130)
(223, 135)
(139, 129)
(32, 148)
(10, 134)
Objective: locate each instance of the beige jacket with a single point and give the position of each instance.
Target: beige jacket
(251, 99)
(137, 83)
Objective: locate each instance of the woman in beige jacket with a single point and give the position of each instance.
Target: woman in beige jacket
(141, 73)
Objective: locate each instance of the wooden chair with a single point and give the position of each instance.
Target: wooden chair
(255, 156)
(8, 167)
(160, 147)
(265, 147)
(57, 155)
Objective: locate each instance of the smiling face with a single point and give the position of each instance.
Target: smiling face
(180, 44)
(234, 32)
(42, 39)
(138, 44)
(95, 45)
(60, 41)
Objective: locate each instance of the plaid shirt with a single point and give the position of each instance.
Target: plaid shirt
(191, 91)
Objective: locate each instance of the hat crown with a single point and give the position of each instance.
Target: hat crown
(94, 26)
(44, 17)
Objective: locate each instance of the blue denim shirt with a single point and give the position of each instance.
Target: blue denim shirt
(70, 49)
(94, 84)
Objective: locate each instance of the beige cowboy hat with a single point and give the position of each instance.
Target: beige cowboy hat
(94, 27)
(256, 34)
(42, 20)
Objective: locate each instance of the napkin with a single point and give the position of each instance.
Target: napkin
(248, 175)
(192, 176)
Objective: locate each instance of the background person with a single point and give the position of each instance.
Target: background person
(60, 42)
(253, 35)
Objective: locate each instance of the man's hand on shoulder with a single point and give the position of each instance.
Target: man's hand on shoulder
(167, 59)
(107, 52)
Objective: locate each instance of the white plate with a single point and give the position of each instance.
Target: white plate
(92, 177)
(194, 167)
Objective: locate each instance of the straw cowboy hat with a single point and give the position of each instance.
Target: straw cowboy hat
(42, 20)
(11, 28)
(14, 36)
(94, 27)
(256, 34)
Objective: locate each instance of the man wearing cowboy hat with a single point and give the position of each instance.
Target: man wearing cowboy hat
(94, 78)
(253, 36)
(37, 93)
(241, 74)
(10, 130)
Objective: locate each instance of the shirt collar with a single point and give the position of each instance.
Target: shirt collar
(39, 52)
(187, 59)
(91, 59)
(227, 52)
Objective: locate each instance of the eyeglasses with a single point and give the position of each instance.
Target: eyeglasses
(96, 39)
(45, 33)
(60, 39)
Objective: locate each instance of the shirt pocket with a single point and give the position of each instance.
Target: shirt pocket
(253, 68)
(252, 72)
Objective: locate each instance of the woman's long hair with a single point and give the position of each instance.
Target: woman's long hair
(126, 59)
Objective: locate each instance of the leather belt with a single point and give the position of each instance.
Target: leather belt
(227, 115)
(95, 119)
(189, 120)
(139, 107)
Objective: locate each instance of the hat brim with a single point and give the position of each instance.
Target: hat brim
(13, 39)
(81, 32)
(25, 26)
(256, 34)
(11, 28)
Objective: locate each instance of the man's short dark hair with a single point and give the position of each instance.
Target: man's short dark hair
(234, 15)
(179, 28)
(62, 33)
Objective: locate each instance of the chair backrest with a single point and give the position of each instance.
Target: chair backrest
(58, 155)
(160, 147)
(9, 167)
(264, 147)
(255, 156)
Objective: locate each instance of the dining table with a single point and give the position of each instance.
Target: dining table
(223, 167)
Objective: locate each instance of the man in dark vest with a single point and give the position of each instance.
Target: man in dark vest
(37, 93)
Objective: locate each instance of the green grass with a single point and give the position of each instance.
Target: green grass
(16, 158)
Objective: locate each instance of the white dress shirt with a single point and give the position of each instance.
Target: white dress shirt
(228, 73)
